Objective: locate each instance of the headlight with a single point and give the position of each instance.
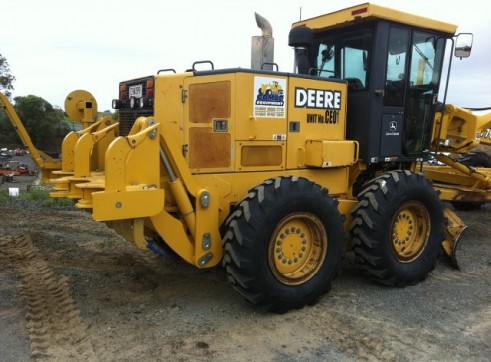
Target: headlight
(117, 104)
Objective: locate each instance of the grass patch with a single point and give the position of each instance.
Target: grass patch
(40, 195)
(35, 193)
(4, 195)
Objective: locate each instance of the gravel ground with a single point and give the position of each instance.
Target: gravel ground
(71, 289)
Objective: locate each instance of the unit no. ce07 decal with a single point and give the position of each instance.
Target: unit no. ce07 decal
(326, 100)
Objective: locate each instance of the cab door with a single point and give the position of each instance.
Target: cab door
(394, 95)
(412, 79)
(421, 97)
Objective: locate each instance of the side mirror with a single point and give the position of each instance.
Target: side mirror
(463, 45)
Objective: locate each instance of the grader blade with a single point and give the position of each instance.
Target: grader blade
(454, 228)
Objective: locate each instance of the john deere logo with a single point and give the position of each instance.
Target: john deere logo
(392, 129)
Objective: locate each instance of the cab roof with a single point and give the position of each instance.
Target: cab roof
(366, 12)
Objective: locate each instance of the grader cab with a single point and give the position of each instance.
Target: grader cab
(275, 174)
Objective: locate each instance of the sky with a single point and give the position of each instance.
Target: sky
(57, 46)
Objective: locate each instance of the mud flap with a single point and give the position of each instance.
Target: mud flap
(454, 228)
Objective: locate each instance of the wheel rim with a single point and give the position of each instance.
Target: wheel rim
(410, 231)
(297, 248)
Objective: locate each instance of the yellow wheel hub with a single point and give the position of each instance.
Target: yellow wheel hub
(410, 231)
(297, 248)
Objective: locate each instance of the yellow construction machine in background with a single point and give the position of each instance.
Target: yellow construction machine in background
(466, 179)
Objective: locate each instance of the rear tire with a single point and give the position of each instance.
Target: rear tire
(398, 228)
(284, 244)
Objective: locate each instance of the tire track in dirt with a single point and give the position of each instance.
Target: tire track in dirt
(56, 330)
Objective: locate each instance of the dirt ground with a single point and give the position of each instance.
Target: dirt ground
(73, 290)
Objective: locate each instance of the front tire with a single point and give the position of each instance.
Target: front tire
(284, 244)
(398, 228)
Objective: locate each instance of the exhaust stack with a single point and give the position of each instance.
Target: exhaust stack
(262, 47)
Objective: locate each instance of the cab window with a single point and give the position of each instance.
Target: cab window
(346, 58)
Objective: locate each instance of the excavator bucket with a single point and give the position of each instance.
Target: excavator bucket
(454, 228)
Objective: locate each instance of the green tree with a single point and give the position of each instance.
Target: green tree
(6, 79)
(44, 123)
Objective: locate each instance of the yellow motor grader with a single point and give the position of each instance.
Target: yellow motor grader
(277, 185)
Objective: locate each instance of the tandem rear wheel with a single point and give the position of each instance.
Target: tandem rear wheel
(398, 228)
